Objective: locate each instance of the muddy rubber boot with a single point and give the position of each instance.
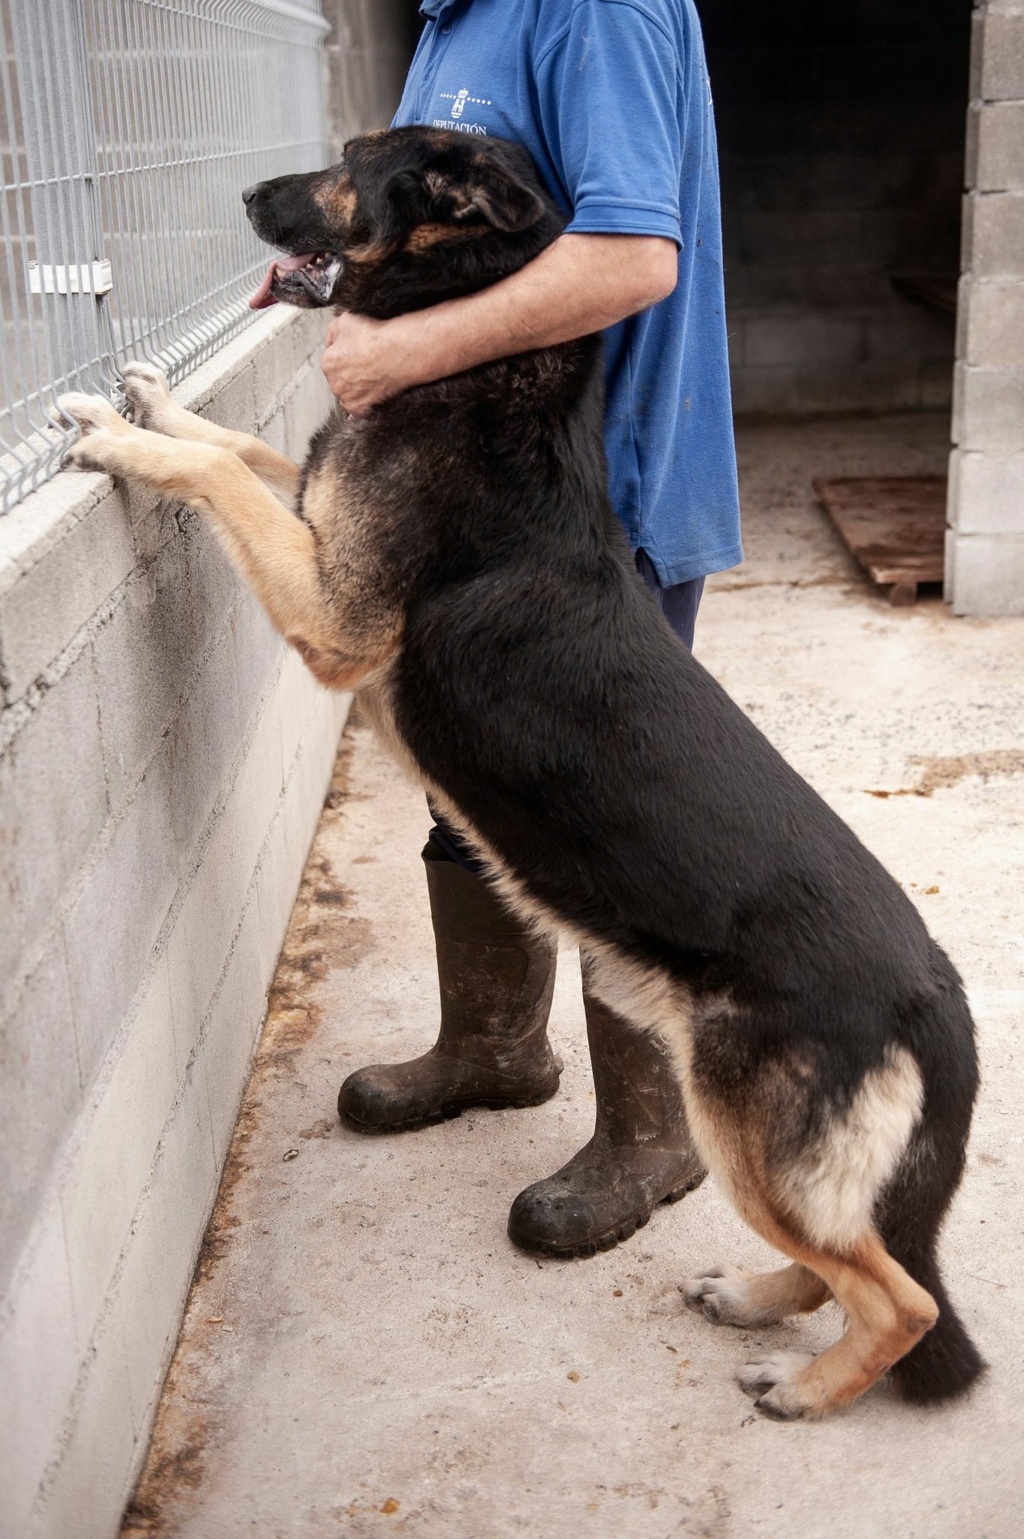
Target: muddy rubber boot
(641, 1152)
(496, 978)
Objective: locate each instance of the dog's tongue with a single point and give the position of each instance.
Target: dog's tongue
(263, 297)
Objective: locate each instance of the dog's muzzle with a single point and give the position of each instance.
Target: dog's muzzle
(304, 280)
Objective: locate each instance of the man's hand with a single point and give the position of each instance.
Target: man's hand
(580, 284)
(363, 362)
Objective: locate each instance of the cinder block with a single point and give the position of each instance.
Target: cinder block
(42, 1096)
(44, 606)
(274, 369)
(150, 651)
(993, 242)
(995, 147)
(200, 941)
(986, 574)
(234, 1025)
(988, 408)
(992, 324)
(201, 744)
(277, 882)
(298, 695)
(233, 404)
(998, 56)
(259, 652)
(53, 803)
(165, 1241)
(39, 1364)
(111, 930)
(305, 410)
(987, 493)
(116, 1150)
(87, 1493)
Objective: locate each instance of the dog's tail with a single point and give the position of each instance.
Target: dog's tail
(945, 1362)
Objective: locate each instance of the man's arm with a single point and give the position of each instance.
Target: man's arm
(579, 284)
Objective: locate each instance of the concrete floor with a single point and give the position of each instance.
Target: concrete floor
(364, 1351)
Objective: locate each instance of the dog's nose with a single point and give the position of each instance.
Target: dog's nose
(250, 193)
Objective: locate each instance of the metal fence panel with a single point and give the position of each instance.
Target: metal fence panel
(127, 130)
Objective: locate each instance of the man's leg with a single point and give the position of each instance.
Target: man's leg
(641, 1153)
(494, 1019)
(495, 977)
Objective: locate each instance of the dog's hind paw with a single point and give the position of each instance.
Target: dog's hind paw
(149, 395)
(781, 1384)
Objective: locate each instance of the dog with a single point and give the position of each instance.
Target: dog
(454, 558)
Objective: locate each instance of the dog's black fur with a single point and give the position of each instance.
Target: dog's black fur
(615, 787)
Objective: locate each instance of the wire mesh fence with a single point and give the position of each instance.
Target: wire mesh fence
(128, 129)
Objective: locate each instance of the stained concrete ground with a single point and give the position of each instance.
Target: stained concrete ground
(365, 1353)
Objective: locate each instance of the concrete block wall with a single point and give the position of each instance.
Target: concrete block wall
(841, 135)
(985, 549)
(163, 761)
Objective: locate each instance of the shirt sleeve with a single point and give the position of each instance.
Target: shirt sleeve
(609, 102)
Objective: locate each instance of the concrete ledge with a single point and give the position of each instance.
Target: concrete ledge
(163, 760)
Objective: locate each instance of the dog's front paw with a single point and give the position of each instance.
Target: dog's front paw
(720, 1295)
(783, 1385)
(102, 432)
(149, 395)
(91, 412)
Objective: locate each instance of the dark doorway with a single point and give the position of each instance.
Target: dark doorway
(841, 131)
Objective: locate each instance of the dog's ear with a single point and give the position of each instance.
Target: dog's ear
(489, 193)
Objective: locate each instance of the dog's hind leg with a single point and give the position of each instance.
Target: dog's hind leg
(153, 407)
(725, 1295)
(275, 551)
(887, 1313)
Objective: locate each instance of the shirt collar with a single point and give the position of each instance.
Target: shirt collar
(432, 9)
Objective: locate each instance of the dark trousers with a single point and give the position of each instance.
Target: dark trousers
(678, 604)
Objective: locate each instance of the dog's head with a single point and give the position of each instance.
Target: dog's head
(410, 216)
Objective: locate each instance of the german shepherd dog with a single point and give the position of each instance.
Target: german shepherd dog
(454, 557)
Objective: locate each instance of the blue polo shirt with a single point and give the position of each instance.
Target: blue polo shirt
(611, 98)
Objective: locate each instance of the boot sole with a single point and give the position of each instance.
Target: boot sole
(611, 1237)
(448, 1113)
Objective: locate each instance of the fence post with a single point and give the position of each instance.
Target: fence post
(60, 152)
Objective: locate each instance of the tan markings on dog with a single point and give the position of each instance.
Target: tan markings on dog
(337, 200)
(154, 407)
(729, 1296)
(425, 236)
(833, 1188)
(887, 1313)
(275, 551)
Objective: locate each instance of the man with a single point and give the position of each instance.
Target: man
(611, 98)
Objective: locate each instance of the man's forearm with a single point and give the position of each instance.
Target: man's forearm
(580, 284)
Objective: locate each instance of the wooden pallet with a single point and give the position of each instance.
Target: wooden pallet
(895, 526)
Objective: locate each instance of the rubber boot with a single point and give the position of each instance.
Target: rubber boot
(496, 979)
(641, 1152)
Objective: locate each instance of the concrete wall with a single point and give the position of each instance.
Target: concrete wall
(985, 552)
(164, 761)
(841, 130)
(368, 52)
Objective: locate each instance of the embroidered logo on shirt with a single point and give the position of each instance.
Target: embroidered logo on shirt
(460, 100)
